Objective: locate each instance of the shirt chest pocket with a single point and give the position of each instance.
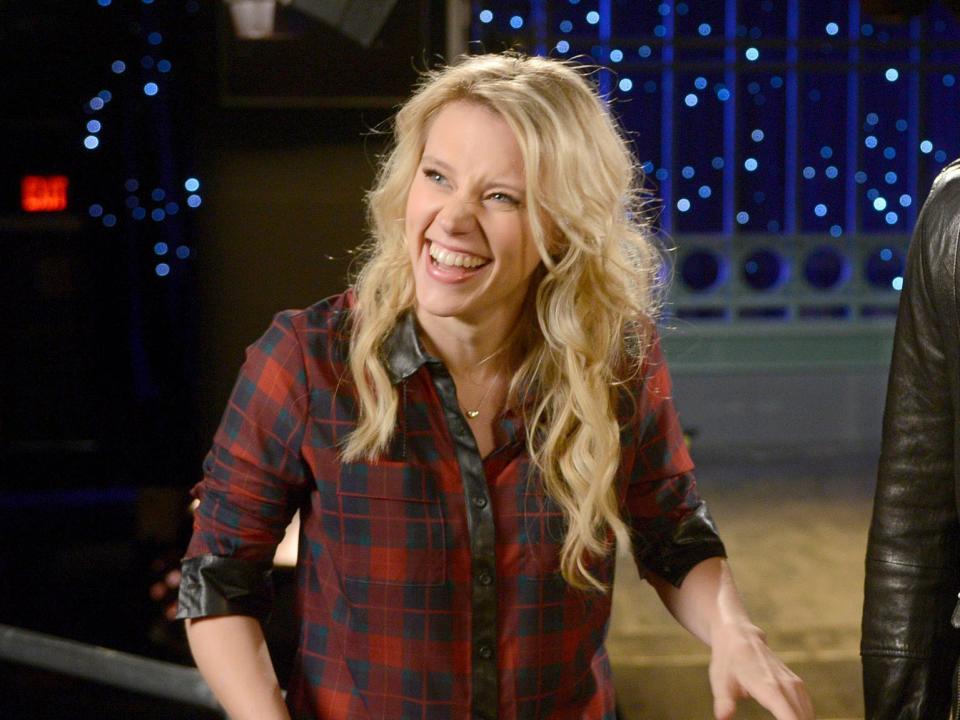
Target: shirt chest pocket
(391, 525)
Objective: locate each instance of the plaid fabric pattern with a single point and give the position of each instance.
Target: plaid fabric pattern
(386, 576)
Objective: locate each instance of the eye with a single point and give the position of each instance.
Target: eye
(503, 198)
(434, 176)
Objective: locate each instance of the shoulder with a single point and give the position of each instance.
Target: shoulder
(940, 216)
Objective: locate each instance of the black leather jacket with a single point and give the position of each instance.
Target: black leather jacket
(909, 646)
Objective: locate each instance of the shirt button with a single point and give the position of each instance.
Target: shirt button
(485, 578)
(486, 652)
(480, 502)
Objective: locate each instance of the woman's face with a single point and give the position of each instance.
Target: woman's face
(466, 226)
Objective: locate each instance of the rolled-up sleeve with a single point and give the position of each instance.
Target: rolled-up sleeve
(254, 479)
(672, 528)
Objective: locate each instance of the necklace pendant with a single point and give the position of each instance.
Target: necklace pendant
(473, 413)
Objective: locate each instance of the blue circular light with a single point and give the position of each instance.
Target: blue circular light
(566, 26)
(647, 167)
(193, 201)
(897, 283)
(93, 126)
(131, 185)
(889, 152)
(164, 66)
(191, 184)
(873, 194)
(764, 270)
(773, 226)
(743, 217)
(756, 135)
(753, 88)
(901, 125)
(132, 201)
(702, 270)
(138, 213)
(95, 210)
(625, 84)
(826, 268)
(700, 83)
(886, 254)
(949, 80)
(516, 22)
(836, 231)
(172, 208)
(687, 171)
(682, 8)
(160, 248)
(563, 46)
(905, 200)
(860, 176)
(723, 94)
(158, 194)
(104, 3)
(892, 74)
(660, 31)
(90, 142)
(118, 66)
(705, 191)
(717, 162)
(704, 29)
(926, 147)
(940, 156)
(750, 164)
(162, 269)
(751, 54)
(662, 174)
(891, 218)
(826, 152)
(150, 89)
(183, 252)
(879, 204)
(809, 173)
(872, 118)
(870, 141)
(105, 95)
(109, 220)
(691, 100)
(663, 9)
(820, 210)
(776, 82)
(866, 29)
(644, 51)
(154, 38)
(616, 55)
(593, 17)
(832, 28)
(486, 16)
(157, 214)
(683, 204)
(831, 172)
(96, 103)
(890, 177)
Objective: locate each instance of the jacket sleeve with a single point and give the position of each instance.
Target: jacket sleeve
(908, 645)
(672, 528)
(254, 479)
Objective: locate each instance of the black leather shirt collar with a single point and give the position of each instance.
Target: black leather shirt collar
(403, 352)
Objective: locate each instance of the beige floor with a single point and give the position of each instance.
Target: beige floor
(796, 534)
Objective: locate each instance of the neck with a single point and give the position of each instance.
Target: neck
(481, 349)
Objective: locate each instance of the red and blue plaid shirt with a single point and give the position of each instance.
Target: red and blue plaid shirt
(428, 580)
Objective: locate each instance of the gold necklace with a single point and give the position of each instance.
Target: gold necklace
(472, 414)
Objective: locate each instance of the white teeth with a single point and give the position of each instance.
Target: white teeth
(453, 259)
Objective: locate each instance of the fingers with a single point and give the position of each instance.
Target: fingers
(724, 708)
(786, 698)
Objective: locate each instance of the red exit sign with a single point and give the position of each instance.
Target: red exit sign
(44, 193)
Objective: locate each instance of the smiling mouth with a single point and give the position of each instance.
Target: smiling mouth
(450, 259)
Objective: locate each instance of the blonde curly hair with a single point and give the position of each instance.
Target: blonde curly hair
(589, 308)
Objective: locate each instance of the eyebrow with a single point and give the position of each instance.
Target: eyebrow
(446, 167)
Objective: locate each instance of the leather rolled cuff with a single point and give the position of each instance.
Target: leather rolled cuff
(693, 540)
(214, 585)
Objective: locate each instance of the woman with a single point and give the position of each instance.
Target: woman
(468, 435)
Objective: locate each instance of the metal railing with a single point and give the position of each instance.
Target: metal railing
(109, 667)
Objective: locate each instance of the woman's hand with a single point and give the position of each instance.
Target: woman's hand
(742, 665)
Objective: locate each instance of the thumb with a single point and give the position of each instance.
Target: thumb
(724, 708)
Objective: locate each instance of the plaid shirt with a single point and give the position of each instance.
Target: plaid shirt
(428, 581)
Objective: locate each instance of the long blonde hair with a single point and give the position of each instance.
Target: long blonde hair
(592, 301)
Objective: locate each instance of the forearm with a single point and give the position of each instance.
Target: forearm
(231, 654)
(706, 601)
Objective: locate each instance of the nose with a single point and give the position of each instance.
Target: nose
(457, 216)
